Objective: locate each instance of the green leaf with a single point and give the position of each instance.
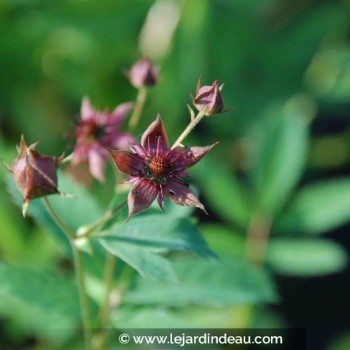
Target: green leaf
(317, 208)
(82, 209)
(280, 153)
(207, 282)
(224, 241)
(306, 257)
(12, 242)
(38, 298)
(224, 193)
(38, 211)
(157, 317)
(171, 233)
(143, 260)
(76, 211)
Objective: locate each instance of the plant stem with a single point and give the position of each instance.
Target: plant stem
(136, 114)
(84, 301)
(108, 278)
(104, 311)
(67, 231)
(188, 129)
(257, 239)
(107, 216)
(79, 272)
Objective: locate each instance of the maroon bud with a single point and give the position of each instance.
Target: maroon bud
(34, 173)
(143, 74)
(208, 99)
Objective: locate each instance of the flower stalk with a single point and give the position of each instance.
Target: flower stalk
(105, 306)
(86, 231)
(84, 301)
(139, 104)
(257, 239)
(188, 129)
(79, 272)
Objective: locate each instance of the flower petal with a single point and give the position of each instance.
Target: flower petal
(97, 163)
(180, 194)
(87, 112)
(119, 140)
(141, 196)
(116, 117)
(41, 173)
(161, 197)
(209, 99)
(127, 162)
(143, 74)
(155, 137)
(138, 150)
(191, 155)
(199, 83)
(81, 150)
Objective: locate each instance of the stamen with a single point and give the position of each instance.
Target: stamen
(149, 145)
(158, 145)
(159, 166)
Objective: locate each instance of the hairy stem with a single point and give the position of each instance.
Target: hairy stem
(136, 114)
(188, 129)
(257, 239)
(79, 272)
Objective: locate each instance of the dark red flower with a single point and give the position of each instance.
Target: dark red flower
(96, 131)
(157, 171)
(208, 98)
(35, 174)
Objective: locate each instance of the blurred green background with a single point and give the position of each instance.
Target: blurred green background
(282, 166)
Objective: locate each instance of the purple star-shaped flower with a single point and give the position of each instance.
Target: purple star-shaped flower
(157, 171)
(96, 131)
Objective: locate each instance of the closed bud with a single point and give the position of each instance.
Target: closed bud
(208, 99)
(35, 174)
(143, 74)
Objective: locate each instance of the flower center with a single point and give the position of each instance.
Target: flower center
(158, 168)
(90, 131)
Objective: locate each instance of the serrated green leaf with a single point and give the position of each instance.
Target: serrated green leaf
(306, 257)
(171, 233)
(318, 208)
(148, 264)
(207, 282)
(280, 153)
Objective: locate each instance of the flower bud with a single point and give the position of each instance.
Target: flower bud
(143, 74)
(208, 98)
(34, 173)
